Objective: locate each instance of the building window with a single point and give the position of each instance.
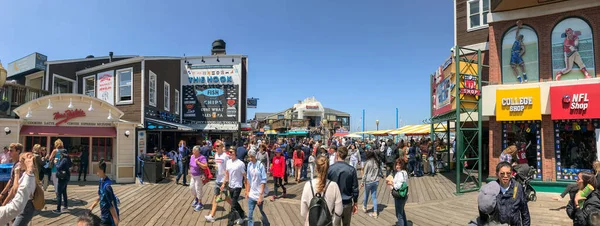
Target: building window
(477, 11)
(167, 94)
(524, 134)
(152, 89)
(280, 117)
(176, 101)
(89, 86)
(125, 86)
(62, 85)
(102, 149)
(575, 147)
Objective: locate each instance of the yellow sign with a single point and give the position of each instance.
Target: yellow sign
(518, 104)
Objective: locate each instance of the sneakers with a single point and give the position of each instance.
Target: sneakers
(239, 222)
(195, 203)
(210, 218)
(524, 78)
(520, 79)
(198, 207)
(373, 215)
(364, 209)
(64, 210)
(56, 211)
(558, 76)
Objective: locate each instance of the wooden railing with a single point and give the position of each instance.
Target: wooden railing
(17, 94)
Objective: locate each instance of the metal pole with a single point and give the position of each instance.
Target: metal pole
(363, 124)
(457, 123)
(397, 124)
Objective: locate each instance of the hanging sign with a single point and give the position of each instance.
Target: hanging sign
(518, 104)
(106, 87)
(575, 102)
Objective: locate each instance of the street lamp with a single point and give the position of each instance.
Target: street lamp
(2, 75)
(377, 123)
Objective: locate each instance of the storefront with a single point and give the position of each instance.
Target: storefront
(575, 115)
(84, 124)
(519, 111)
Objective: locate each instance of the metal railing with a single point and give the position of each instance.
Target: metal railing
(16, 94)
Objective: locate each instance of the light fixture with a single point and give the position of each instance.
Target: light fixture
(203, 60)
(49, 104)
(91, 107)
(127, 133)
(110, 114)
(28, 115)
(6, 130)
(70, 103)
(218, 59)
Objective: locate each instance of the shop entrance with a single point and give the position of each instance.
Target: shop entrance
(575, 146)
(527, 133)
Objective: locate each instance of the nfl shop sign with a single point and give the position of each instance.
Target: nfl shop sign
(470, 87)
(518, 104)
(575, 102)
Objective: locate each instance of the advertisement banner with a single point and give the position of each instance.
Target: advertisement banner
(141, 142)
(106, 87)
(575, 102)
(444, 87)
(518, 104)
(26, 64)
(252, 102)
(442, 98)
(211, 94)
(520, 59)
(573, 50)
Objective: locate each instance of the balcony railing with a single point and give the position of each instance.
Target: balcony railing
(16, 95)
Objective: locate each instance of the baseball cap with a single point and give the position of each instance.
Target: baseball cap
(568, 30)
(486, 200)
(278, 150)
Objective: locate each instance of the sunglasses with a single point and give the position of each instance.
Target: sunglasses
(504, 174)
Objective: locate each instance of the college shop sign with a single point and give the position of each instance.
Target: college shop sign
(518, 104)
(575, 102)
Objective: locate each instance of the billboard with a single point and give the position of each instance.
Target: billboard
(520, 59)
(26, 64)
(106, 87)
(211, 94)
(572, 50)
(518, 104)
(252, 102)
(444, 87)
(575, 102)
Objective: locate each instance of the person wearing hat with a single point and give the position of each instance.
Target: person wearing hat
(571, 54)
(278, 171)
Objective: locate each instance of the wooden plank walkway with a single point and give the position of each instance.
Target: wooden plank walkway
(431, 202)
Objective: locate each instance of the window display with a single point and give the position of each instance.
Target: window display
(575, 148)
(74, 146)
(527, 133)
(30, 141)
(102, 148)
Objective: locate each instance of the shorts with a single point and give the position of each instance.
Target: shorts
(218, 187)
(516, 59)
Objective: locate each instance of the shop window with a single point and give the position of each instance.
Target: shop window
(477, 11)
(167, 94)
(30, 141)
(177, 101)
(125, 86)
(61, 84)
(573, 50)
(75, 146)
(520, 59)
(102, 149)
(575, 147)
(89, 86)
(152, 89)
(528, 133)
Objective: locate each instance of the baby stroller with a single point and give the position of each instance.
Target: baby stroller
(525, 181)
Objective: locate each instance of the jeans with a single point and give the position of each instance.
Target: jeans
(235, 204)
(83, 169)
(182, 172)
(61, 193)
(412, 167)
(304, 171)
(251, 204)
(311, 167)
(25, 217)
(371, 188)
(432, 165)
(419, 168)
(290, 166)
(400, 213)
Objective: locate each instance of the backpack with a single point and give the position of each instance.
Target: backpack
(318, 212)
(391, 157)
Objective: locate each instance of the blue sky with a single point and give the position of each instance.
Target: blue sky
(351, 55)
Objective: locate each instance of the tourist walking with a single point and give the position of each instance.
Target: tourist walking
(354, 157)
(197, 165)
(109, 204)
(63, 173)
(256, 188)
(390, 158)
(263, 156)
(311, 164)
(221, 158)
(370, 181)
(586, 201)
(183, 160)
(278, 171)
(234, 177)
(400, 178)
(298, 159)
(328, 189)
(511, 203)
(332, 154)
(345, 176)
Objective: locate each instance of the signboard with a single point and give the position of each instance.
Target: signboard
(518, 104)
(211, 94)
(252, 102)
(442, 88)
(26, 64)
(106, 87)
(575, 102)
(67, 115)
(141, 141)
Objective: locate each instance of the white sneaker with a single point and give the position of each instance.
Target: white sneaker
(209, 218)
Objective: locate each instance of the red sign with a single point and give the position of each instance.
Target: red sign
(575, 102)
(470, 86)
(312, 107)
(68, 115)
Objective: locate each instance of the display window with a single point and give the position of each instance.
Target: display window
(102, 148)
(75, 146)
(575, 147)
(30, 141)
(528, 133)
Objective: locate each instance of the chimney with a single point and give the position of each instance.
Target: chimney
(218, 47)
(110, 56)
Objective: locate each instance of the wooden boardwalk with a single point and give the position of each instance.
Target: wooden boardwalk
(431, 202)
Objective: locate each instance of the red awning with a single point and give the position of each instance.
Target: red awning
(340, 134)
(69, 131)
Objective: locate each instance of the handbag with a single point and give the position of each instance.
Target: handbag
(38, 198)
(207, 175)
(61, 174)
(402, 192)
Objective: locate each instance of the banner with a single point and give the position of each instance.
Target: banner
(518, 104)
(575, 102)
(106, 87)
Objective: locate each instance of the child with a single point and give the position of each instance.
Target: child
(278, 171)
(109, 211)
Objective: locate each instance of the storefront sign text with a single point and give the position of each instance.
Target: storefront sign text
(575, 102)
(470, 87)
(518, 104)
(68, 115)
(579, 102)
(312, 107)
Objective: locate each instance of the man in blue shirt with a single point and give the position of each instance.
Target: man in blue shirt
(345, 176)
(205, 149)
(242, 153)
(109, 210)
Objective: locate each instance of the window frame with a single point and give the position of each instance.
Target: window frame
(83, 88)
(177, 102)
(73, 86)
(118, 86)
(167, 96)
(152, 95)
(481, 12)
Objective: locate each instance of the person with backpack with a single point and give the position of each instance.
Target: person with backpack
(321, 198)
(109, 203)
(390, 158)
(400, 182)
(345, 176)
(63, 173)
(183, 161)
(412, 159)
(256, 188)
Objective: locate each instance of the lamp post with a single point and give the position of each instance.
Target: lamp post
(2, 75)
(377, 123)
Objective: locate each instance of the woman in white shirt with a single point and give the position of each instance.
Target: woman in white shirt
(329, 189)
(24, 192)
(400, 178)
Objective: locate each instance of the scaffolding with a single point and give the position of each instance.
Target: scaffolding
(466, 115)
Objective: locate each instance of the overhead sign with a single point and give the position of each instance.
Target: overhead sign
(106, 87)
(27, 64)
(252, 102)
(68, 115)
(518, 104)
(575, 102)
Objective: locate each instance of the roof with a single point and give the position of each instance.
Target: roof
(123, 62)
(336, 112)
(88, 59)
(261, 116)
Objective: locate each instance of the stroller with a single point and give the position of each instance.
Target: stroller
(525, 181)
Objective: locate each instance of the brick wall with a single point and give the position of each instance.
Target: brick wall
(543, 25)
(495, 145)
(548, 160)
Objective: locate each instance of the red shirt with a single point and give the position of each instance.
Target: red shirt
(569, 42)
(298, 158)
(278, 167)
(522, 157)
